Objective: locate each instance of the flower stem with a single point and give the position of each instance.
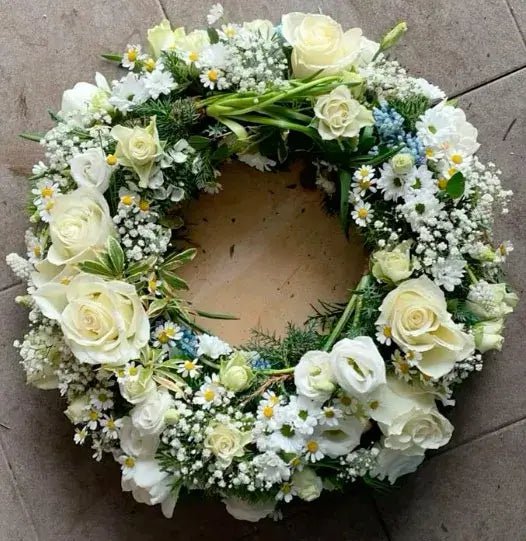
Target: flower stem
(289, 370)
(215, 366)
(471, 275)
(351, 305)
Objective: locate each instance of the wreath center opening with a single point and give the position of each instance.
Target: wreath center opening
(267, 252)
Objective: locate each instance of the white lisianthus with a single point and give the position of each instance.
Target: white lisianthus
(393, 266)
(357, 365)
(77, 409)
(148, 417)
(313, 376)
(417, 318)
(409, 419)
(489, 301)
(249, 511)
(162, 37)
(102, 321)
(90, 170)
(488, 334)
(308, 485)
(340, 115)
(320, 44)
(225, 441)
(192, 45)
(151, 485)
(342, 438)
(368, 49)
(212, 347)
(79, 223)
(134, 443)
(138, 148)
(392, 464)
(86, 96)
(235, 373)
(136, 389)
(46, 272)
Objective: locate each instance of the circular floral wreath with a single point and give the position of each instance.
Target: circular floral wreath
(354, 394)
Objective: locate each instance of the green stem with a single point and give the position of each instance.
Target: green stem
(289, 370)
(471, 275)
(279, 123)
(346, 314)
(215, 366)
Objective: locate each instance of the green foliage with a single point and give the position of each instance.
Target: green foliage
(287, 350)
(367, 311)
(411, 109)
(456, 185)
(110, 263)
(461, 313)
(326, 314)
(186, 76)
(175, 118)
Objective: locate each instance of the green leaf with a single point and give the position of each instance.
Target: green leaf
(176, 260)
(213, 35)
(367, 140)
(213, 315)
(157, 307)
(112, 57)
(32, 136)
(345, 186)
(172, 280)
(221, 153)
(95, 267)
(141, 267)
(115, 255)
(199, 142)
(456, 185)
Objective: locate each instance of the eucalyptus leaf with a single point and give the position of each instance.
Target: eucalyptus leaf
(456, 185)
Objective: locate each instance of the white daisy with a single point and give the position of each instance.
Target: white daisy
(330, 415)
(159, 82)
(80, 435)
(110, 426)
(392, 184)
(362, 213)
(312, 450)
(384, 334)
(210, 393)
(131, 56)
(213, 78)
(189, 369)
(166, 335)
(102, 399)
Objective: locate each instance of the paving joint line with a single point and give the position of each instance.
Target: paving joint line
(482, 435)
(512, 13)
(488, 82)
(17, 490)
(163, 11)
(7, 288)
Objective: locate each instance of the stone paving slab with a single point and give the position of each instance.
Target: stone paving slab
(518, 10)
(457, 45)
(476, 492)
(495, 396)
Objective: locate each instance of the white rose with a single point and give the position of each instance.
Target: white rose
(102, 321)
(251, 512)
(340, 115)
(357, 365)
(148, 417)
(90, 170)
(308, 485)
(313, 376)
(78, 98)
(319, 43)
(393, 464)
(79, 224)
(138, 148)
(393, 266)
(235, 372)
(409, 419)
(415, 313)
(341, 439)
(489, 301)
(137, 388)
(226, 442)
(77, 409)
(488, 335)
(150, 485)
(136, 444)
(162, 37)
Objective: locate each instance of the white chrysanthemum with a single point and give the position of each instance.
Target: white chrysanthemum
(212, 346)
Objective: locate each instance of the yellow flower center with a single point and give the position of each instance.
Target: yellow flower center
(193, 56)
(374, 404)
(37, 251)
(365, 184)
(286, 488)
(403, 367)
(189, 365)
(213, 75)
(163, 337)
(230, 32)
(49, 205)
(312, 446)
(451, 171)
(111, 424)
(209, 395)
(442, 183)
(152, 284)
(429, 152)
(46, 191)
(456, 158)
(268, 411)
(144, 205)
(329, 414)
(129, 462)
(363, 213)
(345, 400)
(111, 159)
(133, 371)
(149, 64)
(132, 55)
(93, 415)
(387, 332)
(127, 200)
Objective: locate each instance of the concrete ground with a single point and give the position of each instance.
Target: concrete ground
(473, 490)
